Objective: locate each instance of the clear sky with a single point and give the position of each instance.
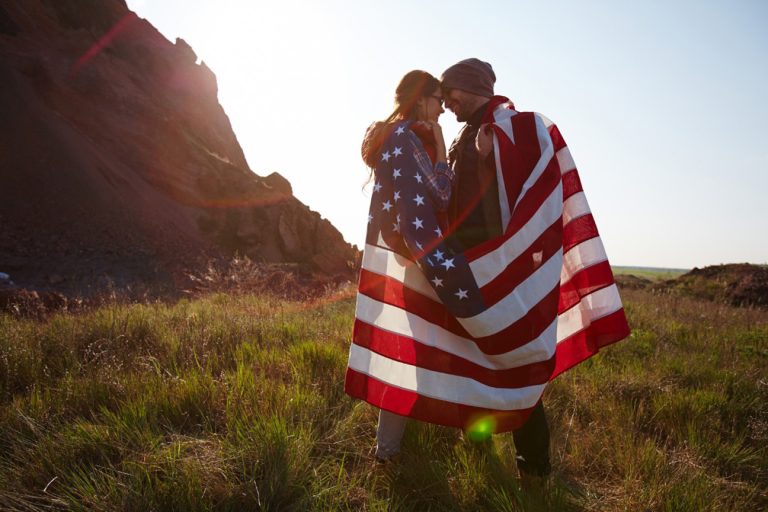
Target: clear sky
(662, 104)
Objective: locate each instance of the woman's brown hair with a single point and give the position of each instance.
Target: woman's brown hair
(414, 85)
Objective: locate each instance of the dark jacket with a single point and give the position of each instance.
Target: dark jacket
(474, 210)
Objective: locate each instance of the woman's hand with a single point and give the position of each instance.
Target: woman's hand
(437, 132)
(484, 140)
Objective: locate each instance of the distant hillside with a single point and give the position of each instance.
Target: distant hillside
(118, 165)
(737, 284)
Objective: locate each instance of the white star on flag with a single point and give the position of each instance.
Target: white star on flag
(419, 200)
(398, 151)
(461, 294)
(399, 130)
(385, 156)
(438, 282)
(439, 255)
(418, 223)
(418, 177)
(396, 227)
(448, 264)
(386, 205)
(376, 187)
(396, 173)
(438, 232)
(418, 244)
(397, 195)
(370, 218)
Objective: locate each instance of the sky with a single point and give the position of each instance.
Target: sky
(662, 104)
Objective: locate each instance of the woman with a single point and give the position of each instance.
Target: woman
(412, 188)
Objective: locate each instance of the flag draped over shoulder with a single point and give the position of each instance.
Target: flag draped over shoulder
(460, 338)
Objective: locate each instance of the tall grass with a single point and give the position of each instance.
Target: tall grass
(235, 402)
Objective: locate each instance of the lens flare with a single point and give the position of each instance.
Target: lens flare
(481, 429)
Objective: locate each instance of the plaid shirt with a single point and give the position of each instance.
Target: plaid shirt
(439, 177)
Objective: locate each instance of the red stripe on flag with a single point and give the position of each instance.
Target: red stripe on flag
(431, 410)
(579, 230)
(571, 184)
(584, 282)
(407, 350)
(587, 342)
(524, 265)
(525, 329)
(523, 212)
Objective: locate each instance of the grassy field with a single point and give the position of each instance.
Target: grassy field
(236, 403)
(652, 273)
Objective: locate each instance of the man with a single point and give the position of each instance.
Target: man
(475, 214)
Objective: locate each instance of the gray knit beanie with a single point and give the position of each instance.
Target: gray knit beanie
(471, 75)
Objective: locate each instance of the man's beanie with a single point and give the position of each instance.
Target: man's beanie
(471, 75)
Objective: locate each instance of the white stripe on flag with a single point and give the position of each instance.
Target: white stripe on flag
(547, 152)
(398, 321)
(596, 305)
(587, 253)
(565, 160)
(388, 263)
(487, 267)
(442, 386)
(574, 207)
(519, 301)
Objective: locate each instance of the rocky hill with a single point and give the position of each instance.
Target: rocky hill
(118, 165)
(737, 284)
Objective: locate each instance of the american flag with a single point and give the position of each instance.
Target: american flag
(457, 338)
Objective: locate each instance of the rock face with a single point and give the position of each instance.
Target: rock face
(117, 161)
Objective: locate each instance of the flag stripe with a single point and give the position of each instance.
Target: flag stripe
(442, 386)
(518, 302)
(585, 343)
(407, 350)
(408, 403)
(591, 307)
(399, 322)
(486, 268)
(527, 329)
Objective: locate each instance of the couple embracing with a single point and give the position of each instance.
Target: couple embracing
(483, 274)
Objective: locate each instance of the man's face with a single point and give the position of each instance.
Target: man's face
(457, 101)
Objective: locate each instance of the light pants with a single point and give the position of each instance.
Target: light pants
(389, 434)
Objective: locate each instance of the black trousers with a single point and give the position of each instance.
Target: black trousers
(532, 444)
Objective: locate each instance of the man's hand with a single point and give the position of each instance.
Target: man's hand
(484, 140)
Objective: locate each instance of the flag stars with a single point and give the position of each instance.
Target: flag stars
(400, 130)
(438, 231)
(418, 244)
(386, 206)
(448, 263)
(397, 195)
(376, 187)
(396, 227)
(398, 151)
(439, 255)
(370, 218)
(419, 200)
(396, 173)
(437, 282)
(461, 294)
(418, 177)
(418, 223)
(385, 156)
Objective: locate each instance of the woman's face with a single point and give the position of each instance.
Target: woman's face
(431, 107)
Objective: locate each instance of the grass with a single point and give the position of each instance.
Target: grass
(652, 273)
(235, 402)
